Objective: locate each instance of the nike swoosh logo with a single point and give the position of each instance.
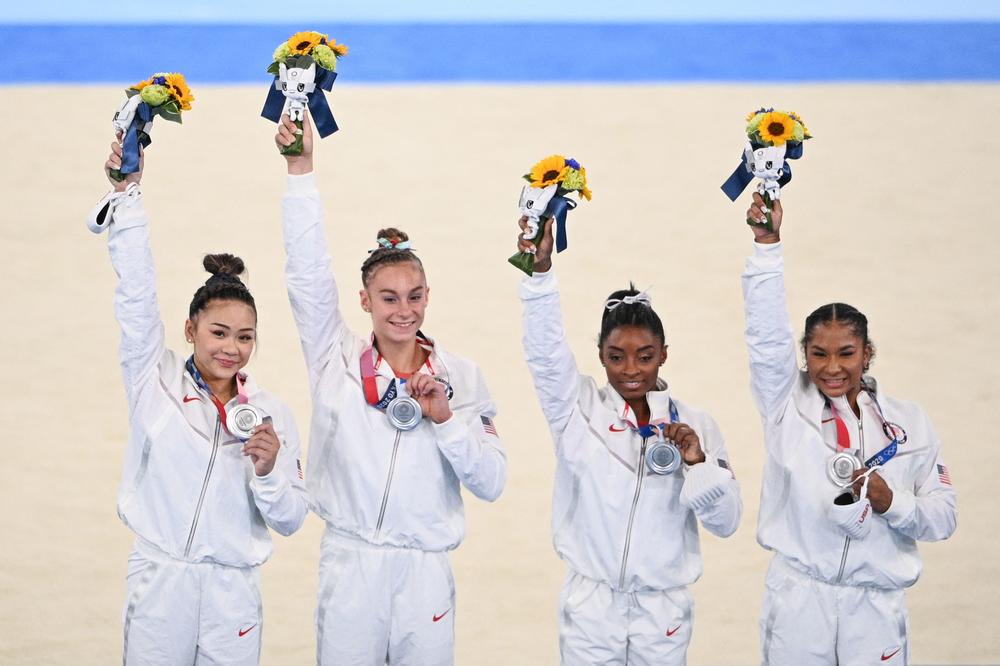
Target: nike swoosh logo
(671, 632)
(612, 428)
(887, 657)
(244, 632)
(191, 398)
(438, 617)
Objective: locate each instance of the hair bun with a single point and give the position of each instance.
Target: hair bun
(392, 235)
(223, 264)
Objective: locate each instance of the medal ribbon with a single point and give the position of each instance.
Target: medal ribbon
(650, 430)
(241, 394)
(844, 438)
(368, 375)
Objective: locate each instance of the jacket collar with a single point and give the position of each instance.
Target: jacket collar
(658, 400)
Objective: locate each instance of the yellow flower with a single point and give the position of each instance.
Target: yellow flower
(302, 43)
(142, 84)
(585, 192)
(340, 49)
(179, 91)
(796, 118)
(550, 170)
(775, 128)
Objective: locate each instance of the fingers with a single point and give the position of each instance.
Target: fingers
(421, 385)
(523, 222)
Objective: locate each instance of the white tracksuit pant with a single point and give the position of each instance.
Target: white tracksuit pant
(380, 604)
(599, 625)
(190, 613)
(806, 622)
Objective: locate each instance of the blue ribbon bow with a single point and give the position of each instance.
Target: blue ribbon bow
(319, 109)
(741, 177)
(557, 208)
(131, 141)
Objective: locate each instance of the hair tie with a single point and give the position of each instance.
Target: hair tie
(641, 297)
(386, 244)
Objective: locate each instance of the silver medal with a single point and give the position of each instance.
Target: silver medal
(404, 412)
(662, 457)
(841, 467)
(242, 419)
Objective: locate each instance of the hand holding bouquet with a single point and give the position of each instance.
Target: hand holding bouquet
(772, 138)
(163, 94)
(304, 66)
(545, 197)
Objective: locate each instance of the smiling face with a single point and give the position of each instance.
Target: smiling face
(224, 334)
(632, 356)
(396, 296)
(836, 358)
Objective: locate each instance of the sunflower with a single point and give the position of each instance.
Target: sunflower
(142, 84)
(550, 170)
(302, 43)
(179, 90)
(775, 128)
(805, 130)
(340, 49)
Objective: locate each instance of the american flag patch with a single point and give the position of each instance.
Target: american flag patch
(943, 475)
(298, 463)
(488, 425)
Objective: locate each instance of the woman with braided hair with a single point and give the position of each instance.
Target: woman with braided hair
(399, 425)
(212, 459)
(636, 470)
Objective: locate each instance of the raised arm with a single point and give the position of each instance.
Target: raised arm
(550, 360)
(309, 278)
(769, 336)
(136, 307)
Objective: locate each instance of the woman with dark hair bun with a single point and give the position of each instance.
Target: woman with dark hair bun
(399, 426)
(212, 459)
(853, 479)
(636, 471)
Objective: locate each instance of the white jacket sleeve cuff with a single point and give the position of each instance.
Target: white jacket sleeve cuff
(704, 484)
(300, 185)
(900, 512)
(767, 254)
(450, 431)
(270, 482)
(130, 213)
(539, 284)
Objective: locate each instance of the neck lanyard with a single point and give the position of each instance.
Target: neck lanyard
(894, 433)
(368, 375)
(241, 394)
(649, 430)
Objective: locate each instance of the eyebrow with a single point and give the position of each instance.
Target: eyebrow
(220, 325)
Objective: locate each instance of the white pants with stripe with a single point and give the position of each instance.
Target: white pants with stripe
(182, 613)
(598, 625)
(806, 622)
(383, 604)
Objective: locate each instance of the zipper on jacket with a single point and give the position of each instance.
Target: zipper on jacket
(388, 484)
(204, 486)
(847, 540)
(640, 468)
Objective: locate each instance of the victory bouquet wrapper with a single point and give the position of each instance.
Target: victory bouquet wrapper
(773, 138)
(304, 66)
(166, 95)
(545, 197)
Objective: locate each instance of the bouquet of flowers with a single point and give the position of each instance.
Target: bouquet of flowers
(304, 66)
(545, 197)
(772, 138)
(163, 94)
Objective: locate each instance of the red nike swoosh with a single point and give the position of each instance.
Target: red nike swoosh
(191, 398)
(438, 617)
(671, 632)
(244, 632)
(887, 657)
(614, 429)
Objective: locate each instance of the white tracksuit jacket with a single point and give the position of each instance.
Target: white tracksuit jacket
(612, 520)
(365, 478)
(796, 490)
(187, 489)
